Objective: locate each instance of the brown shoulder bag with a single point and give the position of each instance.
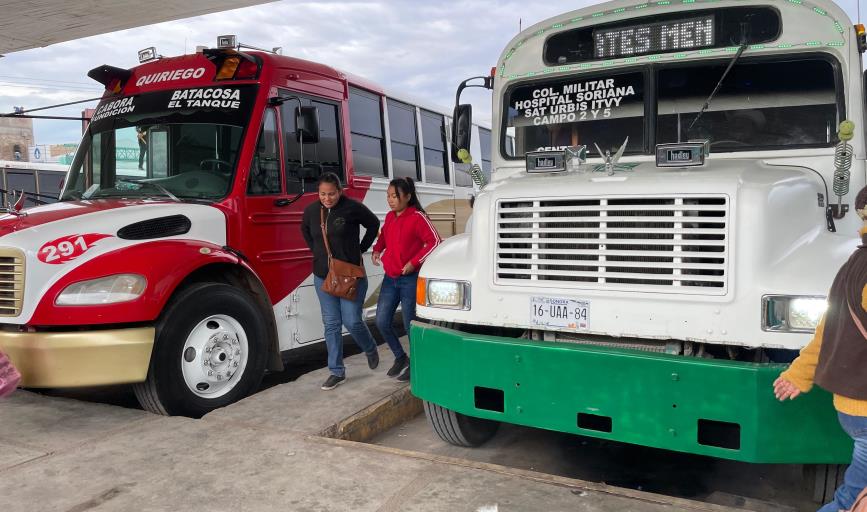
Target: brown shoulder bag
(342, 278)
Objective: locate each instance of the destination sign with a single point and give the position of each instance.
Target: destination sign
(660, 37)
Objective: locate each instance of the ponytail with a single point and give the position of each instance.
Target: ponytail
(405, 186)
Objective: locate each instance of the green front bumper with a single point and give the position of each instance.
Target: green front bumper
(719, 408)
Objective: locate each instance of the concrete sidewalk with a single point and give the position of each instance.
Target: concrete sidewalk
(267, 453)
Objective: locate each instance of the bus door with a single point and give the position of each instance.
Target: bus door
(271, 227)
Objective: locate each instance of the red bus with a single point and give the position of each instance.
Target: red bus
(174, 260)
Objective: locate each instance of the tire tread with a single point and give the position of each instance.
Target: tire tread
(449, 426)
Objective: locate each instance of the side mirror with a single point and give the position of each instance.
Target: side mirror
(307, 121)
(462, 123)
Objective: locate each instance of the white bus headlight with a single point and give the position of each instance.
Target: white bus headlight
(438, 293)
(105, 290)
(782, 313)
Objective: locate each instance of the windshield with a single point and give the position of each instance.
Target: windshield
(760, 105)
(180, 144)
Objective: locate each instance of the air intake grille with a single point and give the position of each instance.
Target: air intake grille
(160, 227)
(674, 244)
(11, 281)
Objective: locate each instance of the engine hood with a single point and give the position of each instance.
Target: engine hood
(60, 237)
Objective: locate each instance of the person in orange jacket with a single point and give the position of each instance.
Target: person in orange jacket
(835, 360)
(406, 239)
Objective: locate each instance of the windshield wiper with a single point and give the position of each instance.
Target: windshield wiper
(704, 107)
(159, 187)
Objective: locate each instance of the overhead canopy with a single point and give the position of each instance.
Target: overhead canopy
(26, 24)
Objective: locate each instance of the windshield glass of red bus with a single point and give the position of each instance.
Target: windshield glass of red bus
(181, 144)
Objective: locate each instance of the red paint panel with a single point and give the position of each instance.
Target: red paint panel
(163, 263)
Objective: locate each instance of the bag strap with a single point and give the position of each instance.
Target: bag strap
(857, 321)
(324, 227)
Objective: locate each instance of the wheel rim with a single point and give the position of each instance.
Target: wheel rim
(214, 356)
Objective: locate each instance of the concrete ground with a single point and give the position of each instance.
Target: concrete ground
(757, 487)
(265, 453)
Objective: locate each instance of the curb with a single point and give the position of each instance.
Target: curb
(376, 418)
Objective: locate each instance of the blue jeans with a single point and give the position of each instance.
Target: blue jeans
(395, 290)
(337, 312)
(855, 479)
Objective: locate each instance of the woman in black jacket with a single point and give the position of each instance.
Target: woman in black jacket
(343, 218)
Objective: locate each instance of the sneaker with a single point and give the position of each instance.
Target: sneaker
(404, 377)
(333, 381)
(399, 364)
(373, 359)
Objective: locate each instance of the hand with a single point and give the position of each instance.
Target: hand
(784, 389)
(407, 269)
(375, 258)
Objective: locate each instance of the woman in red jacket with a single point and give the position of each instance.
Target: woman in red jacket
(406, 239)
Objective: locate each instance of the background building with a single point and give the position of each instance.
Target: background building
(16, 136)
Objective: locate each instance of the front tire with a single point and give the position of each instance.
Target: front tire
(459, 429)
(210, 351)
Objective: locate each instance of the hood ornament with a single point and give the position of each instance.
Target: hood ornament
(610, 162)
(17, 204)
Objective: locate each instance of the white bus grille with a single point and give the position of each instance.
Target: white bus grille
(673, 244)
(11, 281)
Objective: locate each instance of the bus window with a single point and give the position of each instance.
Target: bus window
(760, 105)
(434, 143)
(579, 110)
(49, 185)
(462, 175)
(324, 155)
(130, 146)
(485, 143)
(365, 120)
(265, 170)
(24, 181)
(404, 142)
(158, 152)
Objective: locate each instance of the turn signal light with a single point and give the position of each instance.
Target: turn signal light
(114, 86)
(247, 70)
(421, 291)
(228, 68)
(861, 38)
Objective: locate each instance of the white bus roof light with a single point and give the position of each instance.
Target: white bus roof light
(147, 55)
(229, 41)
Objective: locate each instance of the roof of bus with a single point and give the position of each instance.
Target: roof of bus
(352, 79)
(533, 38)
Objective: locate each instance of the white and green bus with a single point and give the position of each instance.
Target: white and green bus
(651, 294)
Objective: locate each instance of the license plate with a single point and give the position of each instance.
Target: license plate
(557, 312)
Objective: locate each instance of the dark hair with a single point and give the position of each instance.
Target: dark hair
(861, 199)
(330, 177)
(405, 186)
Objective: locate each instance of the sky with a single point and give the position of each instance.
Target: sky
(420, 49)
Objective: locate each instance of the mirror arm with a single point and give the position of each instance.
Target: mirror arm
(276, 102)
(488, 84)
